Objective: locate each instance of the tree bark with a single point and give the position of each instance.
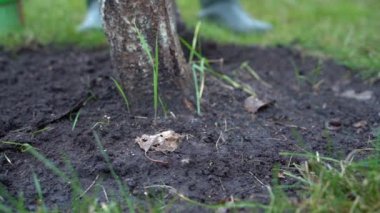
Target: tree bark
(156, 20)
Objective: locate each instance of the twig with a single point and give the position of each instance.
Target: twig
(254, 74)
(290, 161)
(217, 142)
(259, 181)
(8, 160)
(153, 160)
(105, 193)
(140, 117)
(351, 155)
(221, 184)
(65, 114)
(291, 126)
(88, 188)
(180, 195)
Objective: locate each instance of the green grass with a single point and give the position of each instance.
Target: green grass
(199, 82)
(75, 122)
(347, 30)
(219, 75)
(330, 185)
(197, 69)
(153, 57)
(156, 66)
(120, 89)
(54, 22)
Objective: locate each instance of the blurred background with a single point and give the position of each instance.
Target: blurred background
(346, 30)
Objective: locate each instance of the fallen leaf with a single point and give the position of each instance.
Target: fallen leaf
(363, 96)
(188, 105)
(333, 124)
(361, 124)
(253, 104)
(166, 141)
(281, 175)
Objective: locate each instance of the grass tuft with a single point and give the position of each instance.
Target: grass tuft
(37, 185)
(219, 75)
(199, 83)
(330, 185)
(154, 61)
(197, 68)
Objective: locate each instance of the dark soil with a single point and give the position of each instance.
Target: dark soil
(227, 152)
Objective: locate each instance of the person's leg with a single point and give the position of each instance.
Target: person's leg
(93, 19)
(206, 3)
(230, 14)
(226, 12)
(89, 3)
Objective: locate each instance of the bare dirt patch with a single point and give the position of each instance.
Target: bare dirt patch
(228, 151)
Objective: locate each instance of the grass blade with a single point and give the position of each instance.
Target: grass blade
(75, 120)
(154, 63)
(144, 45)
(195, 79)
(164, 107)
(199, 83)
(121, 92)
(47, 163)
(195, 40)
(113, 173)
(37, 185)
(254, 74)
(155, 79)
(220, 75)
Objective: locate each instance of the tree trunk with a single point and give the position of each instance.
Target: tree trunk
(156, 20)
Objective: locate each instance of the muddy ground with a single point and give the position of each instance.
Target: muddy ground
(226, 152)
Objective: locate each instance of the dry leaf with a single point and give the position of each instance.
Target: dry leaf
(188, 105)
(363, 96)
(281, 175)
(253, 104)
(166, 141)
(360, 124)
(334, 124)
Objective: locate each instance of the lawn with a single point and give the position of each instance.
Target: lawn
(345, 30)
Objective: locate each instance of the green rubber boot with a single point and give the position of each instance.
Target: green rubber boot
(230, 14)
(10, 20)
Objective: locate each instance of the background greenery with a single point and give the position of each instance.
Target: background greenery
(347, 30)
